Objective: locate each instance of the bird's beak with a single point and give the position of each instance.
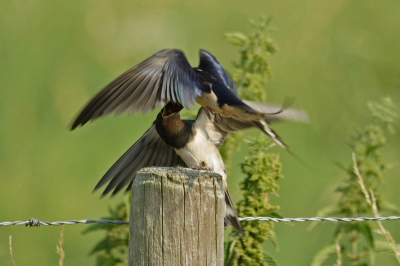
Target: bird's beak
(165, 113)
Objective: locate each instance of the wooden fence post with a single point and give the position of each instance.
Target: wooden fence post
(176, 218)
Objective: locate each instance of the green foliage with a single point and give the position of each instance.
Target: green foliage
(113, 249)
(253, 69)
(269, 261)
(367, 145)
(323, 254)
(357, 243)
(252, 72)
(262, 170)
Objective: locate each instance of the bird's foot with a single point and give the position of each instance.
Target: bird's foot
(199, 168)
(218, 116)
(210, 113)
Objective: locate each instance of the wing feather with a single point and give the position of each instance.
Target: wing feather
(149, 150)
(123, 95)
(138, 89)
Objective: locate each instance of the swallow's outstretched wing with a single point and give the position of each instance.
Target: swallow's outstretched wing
(149, 150)
(218, 131)
(164, 77)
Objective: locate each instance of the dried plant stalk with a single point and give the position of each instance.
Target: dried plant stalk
(11, 252)
(59, 249)
(370, 198)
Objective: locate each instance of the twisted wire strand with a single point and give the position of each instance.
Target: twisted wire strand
(320, 219)
(36, 222)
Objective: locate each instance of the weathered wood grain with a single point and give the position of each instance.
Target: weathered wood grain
(176, 218)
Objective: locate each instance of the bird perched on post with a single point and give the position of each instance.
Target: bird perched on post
(171, 141)
(167, 77)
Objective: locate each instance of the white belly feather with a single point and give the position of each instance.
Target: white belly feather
(201, 152)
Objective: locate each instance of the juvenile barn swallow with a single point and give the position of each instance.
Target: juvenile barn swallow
(167, 77)
(171, 142)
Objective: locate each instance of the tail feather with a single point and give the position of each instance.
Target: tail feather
(276, 113)
(231, 217)
(261, 124)
(267, 130)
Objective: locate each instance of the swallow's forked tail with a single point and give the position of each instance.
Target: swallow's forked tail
(231, 217)
(261, 124)
(267, 130)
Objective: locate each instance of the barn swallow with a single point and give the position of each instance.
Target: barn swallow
(167, 77)
(172, 142)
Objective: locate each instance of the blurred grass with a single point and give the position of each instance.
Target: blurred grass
(54, 55)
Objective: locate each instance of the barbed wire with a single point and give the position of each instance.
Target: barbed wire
(36, 222)
(320, 219)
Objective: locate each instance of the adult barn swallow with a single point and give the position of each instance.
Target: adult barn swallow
(167, 77)
(171, 142)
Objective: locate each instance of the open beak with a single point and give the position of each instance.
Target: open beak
(171, 109)
(166, 112)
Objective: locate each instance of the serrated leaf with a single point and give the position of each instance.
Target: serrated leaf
(341, 189)
(99, 226)
(229, 251)
(340, 165)
(268, 21)
(237, 38)
(372, 148)
(269, 261)
(372, 257)
(338, 230)
(102, 245)
(272, 236)
(275, 215)
(106, 260)
(366, 231)
(325, 212)
(237, 35)
(383, 246)
(388, 206)
(323, 254)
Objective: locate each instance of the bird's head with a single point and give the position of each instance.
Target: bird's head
(171, 109)
(169, 119)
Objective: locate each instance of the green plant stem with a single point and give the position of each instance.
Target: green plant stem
(338, 252)
(354, 245)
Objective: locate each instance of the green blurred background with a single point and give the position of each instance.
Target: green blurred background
(55, 55)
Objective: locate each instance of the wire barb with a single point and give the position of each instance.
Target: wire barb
(33, 222)
(36, 222)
